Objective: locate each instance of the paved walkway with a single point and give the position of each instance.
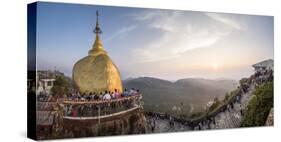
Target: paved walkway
(163, 125)
(231, 118)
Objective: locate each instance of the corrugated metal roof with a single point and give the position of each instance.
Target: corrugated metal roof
(264, 63)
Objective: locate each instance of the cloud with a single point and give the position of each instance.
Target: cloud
(120, 32)
(227, 20)
(180, 32)
(161, 20)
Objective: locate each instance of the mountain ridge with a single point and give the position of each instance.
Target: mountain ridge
(164, 95)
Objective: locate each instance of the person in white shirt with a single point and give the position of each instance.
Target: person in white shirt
(93, 96)
(112, 95)
(132, 92)
(100, 96)
(106, 96)
(83, 98)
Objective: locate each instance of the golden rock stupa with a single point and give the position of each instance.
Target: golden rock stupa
(96, 72)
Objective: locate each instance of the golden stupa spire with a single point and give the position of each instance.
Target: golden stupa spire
(97, 47)
(97, 30)
(96, 72)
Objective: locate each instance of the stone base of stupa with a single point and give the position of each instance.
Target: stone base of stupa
(133, 122)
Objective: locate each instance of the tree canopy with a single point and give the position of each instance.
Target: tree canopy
(61, 86)
(259, 106)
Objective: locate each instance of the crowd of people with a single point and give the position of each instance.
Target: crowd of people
(153, 117)
(106, 95)
(258, 78)
(107, 102)
(92, 110)
(102, 104)
(261, 76)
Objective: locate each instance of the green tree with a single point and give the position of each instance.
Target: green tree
(227, 96)
(61, 86)
(242, 81)
(259, 107)
(215, 104)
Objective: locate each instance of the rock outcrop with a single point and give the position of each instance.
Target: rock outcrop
(128, 123)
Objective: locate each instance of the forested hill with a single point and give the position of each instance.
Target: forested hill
(182, 95)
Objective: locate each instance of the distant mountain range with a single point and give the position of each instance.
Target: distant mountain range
(184, 95)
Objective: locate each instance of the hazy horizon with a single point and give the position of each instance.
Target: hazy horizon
(164, 44)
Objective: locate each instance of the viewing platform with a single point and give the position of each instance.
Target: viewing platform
(83, 110)
(79, 102)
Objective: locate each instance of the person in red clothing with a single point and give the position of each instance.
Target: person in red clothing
(74, 111)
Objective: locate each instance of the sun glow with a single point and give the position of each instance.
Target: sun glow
(214, 66)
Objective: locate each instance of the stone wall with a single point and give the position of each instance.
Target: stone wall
(124, 124)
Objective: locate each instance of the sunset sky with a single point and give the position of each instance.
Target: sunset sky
(165, 44)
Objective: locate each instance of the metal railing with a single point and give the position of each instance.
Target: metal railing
(98, 109)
